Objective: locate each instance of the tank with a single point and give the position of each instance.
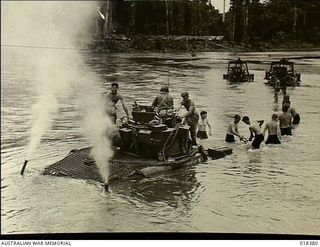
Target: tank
(145, 145)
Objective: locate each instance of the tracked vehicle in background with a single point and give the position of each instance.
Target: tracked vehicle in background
(283, 71)
(238, 71)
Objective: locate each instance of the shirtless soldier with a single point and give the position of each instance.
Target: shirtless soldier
(285, 121)
(113, 98)
(273, 130)
(255, 131)
(232, 130)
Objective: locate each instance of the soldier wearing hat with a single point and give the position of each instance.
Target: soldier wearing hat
(191, 118)
(163, 103)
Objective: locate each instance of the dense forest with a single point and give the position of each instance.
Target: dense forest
(246, 21)
(275, 20)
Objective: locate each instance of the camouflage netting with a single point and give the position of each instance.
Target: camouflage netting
(80, 165)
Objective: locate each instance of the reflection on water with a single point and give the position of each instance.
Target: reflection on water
(177, 189)
(272, 190)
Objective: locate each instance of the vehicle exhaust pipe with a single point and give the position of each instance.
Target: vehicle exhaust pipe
(24, 167)
(106, 187)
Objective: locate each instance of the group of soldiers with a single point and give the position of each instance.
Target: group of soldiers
(163, 105)
(286, 119)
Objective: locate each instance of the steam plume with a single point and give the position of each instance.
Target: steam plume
(58, 73)
(97, 126)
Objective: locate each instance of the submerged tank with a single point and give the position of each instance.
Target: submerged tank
(150, 143)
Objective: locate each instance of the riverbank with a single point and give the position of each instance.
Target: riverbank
(121, 43)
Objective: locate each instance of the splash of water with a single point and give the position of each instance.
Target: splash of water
(57, 74)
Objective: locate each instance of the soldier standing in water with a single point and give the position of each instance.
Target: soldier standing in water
(255, 132)
(191, 118)
(295, 115)
(233, 130)
(285, 121)
(273, 128)
(113, 98)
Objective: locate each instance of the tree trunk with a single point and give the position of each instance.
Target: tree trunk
(108, 21)
(167, 17)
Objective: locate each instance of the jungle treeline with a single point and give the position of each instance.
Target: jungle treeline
(245, 21)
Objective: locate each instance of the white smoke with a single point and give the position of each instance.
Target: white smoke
(43, 114)
(97, 126)
(53, 80)
(58, 72)
(45, 23)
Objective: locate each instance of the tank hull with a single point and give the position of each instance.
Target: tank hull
(78, 164)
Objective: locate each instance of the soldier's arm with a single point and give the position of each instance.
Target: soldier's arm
(251, 134)
(124, 106)
(191, 110)
(210, 133)
(278, 131)
(265, 129)
(155, 102)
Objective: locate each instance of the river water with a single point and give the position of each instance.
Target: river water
(272, 190)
